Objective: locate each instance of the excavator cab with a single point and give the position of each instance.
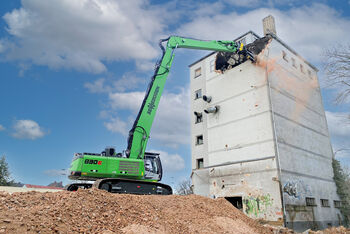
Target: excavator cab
(153, 166)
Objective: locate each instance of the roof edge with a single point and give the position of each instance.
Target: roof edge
(293, 51)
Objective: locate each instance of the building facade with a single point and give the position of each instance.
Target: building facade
(267, 150)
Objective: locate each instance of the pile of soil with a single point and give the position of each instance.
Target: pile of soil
(96, 211)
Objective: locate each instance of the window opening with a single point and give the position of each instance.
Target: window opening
(284, 55)
(199, 140)
(337, 204)
(197, 72)
(236, 202)
(198, 94)
(199, 118)
(200, 163)
(310, 201)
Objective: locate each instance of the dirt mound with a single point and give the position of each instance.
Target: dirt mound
(95, 211)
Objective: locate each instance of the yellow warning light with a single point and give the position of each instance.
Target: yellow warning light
(84, 173)
(142, 173)
(241, 47)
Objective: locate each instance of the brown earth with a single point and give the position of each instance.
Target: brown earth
(96, 211)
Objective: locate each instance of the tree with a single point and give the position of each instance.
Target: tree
(337, 69)
(342, 181)
(184, 187)
(56, 184)
(5, 178)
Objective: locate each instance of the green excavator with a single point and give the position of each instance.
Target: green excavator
(135, 171)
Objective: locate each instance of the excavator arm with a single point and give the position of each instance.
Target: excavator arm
(139, 134)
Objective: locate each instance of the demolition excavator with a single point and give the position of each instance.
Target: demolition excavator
(135, 171)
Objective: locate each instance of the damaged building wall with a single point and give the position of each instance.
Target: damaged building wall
(238, 145)
(303, 142)
(269, 140)
(241, 135)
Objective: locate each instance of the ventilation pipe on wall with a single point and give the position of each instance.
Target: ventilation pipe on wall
(212, 110)
(207, 98)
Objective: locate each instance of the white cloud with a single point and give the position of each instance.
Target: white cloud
(127, 82)
(83, 34)
(338, 123)
(98, 86)
(102, 85)
(2, 128)
(244, 3)
(145, 65)
(170, 162)
(172, 122)
(126, 101)
(2, 46)
(27, 129)
(117, 125)
(307, 29)
(339, 128)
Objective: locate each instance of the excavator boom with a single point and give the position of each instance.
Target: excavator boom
(137, 171)
(140, 131)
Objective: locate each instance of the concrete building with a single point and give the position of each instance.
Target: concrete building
(267, 150)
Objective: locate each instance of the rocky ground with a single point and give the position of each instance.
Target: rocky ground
(96, 211)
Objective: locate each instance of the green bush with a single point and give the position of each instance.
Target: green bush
(342, 181)
(5, 178)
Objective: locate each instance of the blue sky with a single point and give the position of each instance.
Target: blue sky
(73, 73)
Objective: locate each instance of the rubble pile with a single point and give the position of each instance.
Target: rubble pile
(96, 211)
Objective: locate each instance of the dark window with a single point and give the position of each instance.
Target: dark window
(197, 72)
(236, 202)
(284, 55)
(199, 118)
(198, 94)
(293, 63)
(337, 204)
(302, 68)
(324, 203)
(199, 140)
(200, 163)
(309, 72)
(310, 201)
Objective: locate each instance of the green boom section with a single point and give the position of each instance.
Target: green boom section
(141, 130)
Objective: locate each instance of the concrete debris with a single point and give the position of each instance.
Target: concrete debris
(258, 45)
(226, 61)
